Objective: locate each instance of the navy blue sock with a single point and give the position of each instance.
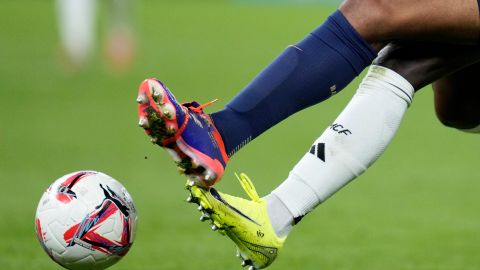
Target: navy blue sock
(307, 73)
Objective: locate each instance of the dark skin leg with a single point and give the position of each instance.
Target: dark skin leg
(423, 63)
(454, 69)
(457, 98)
(382, 21)
(442, 21)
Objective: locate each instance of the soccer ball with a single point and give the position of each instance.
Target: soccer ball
(86, 220)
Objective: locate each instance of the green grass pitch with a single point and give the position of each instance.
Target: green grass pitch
(416, 208)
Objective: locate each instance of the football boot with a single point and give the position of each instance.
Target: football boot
(245, 222)
(184, 130)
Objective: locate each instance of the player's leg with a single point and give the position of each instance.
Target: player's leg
(424, 63)
(303, 75)
(452, 21)
(345, 150)
(457, 99)
(119, 48)
(455, 74)
(367, 125)
(259, 227)
(306, 73)
(76, 23)
(281, 86)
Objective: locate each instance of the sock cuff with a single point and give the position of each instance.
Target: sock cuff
(389, 80)
(337, 27)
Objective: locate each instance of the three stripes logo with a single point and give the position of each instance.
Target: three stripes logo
(318, 150)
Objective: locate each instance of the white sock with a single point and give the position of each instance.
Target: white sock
(350, 145)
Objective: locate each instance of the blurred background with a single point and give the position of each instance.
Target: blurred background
(416, 208)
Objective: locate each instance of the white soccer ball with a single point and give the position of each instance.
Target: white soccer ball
(86, 220)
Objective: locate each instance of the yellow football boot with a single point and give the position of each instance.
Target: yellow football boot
(246, 222)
